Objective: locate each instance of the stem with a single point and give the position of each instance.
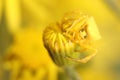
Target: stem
(71, 73)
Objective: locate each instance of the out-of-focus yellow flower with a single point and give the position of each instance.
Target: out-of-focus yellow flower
(28, 53)
(28, 42)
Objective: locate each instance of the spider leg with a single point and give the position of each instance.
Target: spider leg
(86, 59)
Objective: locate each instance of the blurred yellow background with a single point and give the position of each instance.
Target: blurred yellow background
(22, 54)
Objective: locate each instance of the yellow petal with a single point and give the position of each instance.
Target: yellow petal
(13, 14)
(1, 8)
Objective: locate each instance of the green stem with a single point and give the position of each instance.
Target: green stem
(71, 73)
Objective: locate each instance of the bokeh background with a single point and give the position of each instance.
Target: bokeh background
(22, 54)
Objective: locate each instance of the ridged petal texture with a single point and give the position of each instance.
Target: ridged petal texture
(70, 38)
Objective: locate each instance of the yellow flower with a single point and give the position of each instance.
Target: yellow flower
(27, 54)
(65, 41)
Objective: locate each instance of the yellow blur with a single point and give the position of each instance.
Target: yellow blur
(26, 58)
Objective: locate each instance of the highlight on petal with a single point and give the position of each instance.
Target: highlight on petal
(1, 9)
(13, 15)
